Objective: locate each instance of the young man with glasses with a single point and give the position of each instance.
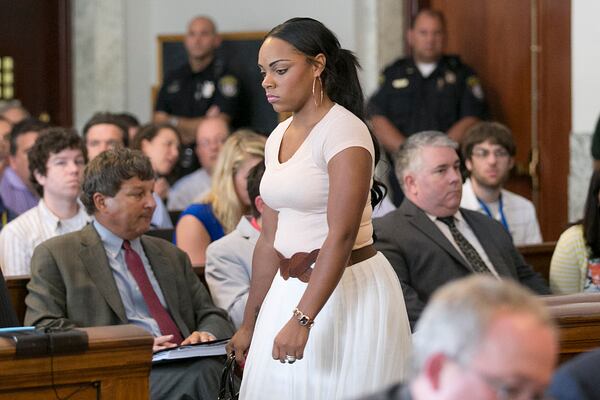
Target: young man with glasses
(488, 150)
(481, 338)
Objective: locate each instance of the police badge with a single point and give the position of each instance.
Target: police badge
(228, 85)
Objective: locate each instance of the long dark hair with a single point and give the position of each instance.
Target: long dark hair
(591, 216)
(339, 77)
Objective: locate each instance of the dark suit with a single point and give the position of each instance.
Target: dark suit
(72, 285)
(424, 258)
(577, 379)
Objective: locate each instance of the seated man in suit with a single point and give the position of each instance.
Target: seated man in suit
(110, 273)
(56, 163)
(480, 338)
(229, 259)
(429, 240)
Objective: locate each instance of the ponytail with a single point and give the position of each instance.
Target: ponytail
(343, 87)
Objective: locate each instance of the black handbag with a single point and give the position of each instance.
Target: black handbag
(227, 390)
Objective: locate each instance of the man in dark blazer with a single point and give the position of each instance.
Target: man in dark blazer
(109, 273)
(577, 378)
(422, 248)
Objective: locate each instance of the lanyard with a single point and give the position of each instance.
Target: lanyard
(500, 210)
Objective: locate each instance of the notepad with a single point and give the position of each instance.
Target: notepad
(205, 349)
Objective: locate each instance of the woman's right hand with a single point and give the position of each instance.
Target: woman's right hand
(239, 344)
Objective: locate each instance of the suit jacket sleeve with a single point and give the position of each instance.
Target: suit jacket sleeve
(208, 318)
(386, 242)
(228, 279)
(46, 301)
(527, 276)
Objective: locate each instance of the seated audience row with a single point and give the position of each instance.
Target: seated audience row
(220, 210)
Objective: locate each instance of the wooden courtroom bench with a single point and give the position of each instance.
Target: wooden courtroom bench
(539, 256)
(17, 290)
(115, 366)
(579, 327)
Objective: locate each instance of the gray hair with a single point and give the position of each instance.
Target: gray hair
(107, 171)
(456, 320)
(409, 155)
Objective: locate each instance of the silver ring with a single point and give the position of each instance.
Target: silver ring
(290, 359)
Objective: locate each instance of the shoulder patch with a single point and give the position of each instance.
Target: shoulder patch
(228, 85)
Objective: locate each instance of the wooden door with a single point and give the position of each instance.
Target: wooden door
(35, 38)
(521, 51)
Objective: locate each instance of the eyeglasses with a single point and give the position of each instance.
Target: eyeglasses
(507, 390)
(484, 153)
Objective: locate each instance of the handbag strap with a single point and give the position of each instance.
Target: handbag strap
(227, 384)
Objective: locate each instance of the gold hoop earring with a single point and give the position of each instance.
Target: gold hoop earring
(321, 90)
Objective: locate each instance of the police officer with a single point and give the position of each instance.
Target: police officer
(428, 91)
(200, 87)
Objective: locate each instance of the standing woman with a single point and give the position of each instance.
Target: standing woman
(333, 325)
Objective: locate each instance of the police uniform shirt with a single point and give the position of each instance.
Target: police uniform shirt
(186, 93)
(414, 103)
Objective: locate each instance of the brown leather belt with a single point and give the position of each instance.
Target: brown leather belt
(299, 264)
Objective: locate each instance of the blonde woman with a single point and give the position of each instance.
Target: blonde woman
(221, 209)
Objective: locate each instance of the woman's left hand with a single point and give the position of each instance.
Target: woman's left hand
(290, 341)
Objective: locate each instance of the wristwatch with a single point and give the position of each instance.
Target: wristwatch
(303, 319)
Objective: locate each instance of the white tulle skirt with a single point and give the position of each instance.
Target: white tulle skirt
(360, 342)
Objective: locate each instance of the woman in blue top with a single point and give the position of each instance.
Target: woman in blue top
(221, 208)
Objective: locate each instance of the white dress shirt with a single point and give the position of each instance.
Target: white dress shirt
(19, 238)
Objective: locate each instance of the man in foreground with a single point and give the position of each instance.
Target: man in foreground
(480, 338)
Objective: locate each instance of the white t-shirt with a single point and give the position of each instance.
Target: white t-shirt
(298, 188)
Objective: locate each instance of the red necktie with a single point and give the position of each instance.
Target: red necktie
(157, 311)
